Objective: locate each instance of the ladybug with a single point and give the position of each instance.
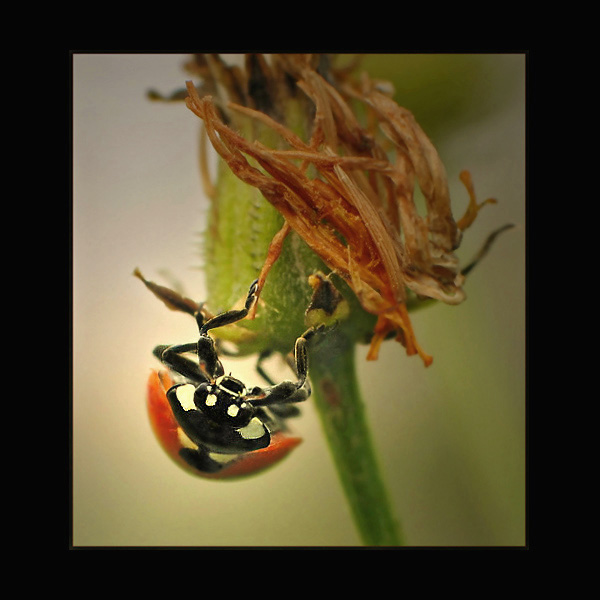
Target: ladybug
(214, 466)
(210, 423)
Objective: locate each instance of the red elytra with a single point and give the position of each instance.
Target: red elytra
(166, 428)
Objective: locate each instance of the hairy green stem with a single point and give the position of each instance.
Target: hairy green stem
(338, 401)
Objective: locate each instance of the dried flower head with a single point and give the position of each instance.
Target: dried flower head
(349, 187)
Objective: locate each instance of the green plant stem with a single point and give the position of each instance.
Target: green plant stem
(338, 401)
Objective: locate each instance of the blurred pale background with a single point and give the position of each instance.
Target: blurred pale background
(451, 438)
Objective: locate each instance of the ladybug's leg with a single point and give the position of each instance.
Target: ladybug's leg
(201, 460)
(230, 316)
(172, 357)
(208, 358)
(205, 348)
(288, 391)
(285, 410)
(172, 299)
(208, 366)
(259, 368)
(281, 410)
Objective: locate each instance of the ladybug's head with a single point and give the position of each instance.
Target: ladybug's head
(224, 402)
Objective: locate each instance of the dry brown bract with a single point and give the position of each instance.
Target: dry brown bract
(349, 191)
